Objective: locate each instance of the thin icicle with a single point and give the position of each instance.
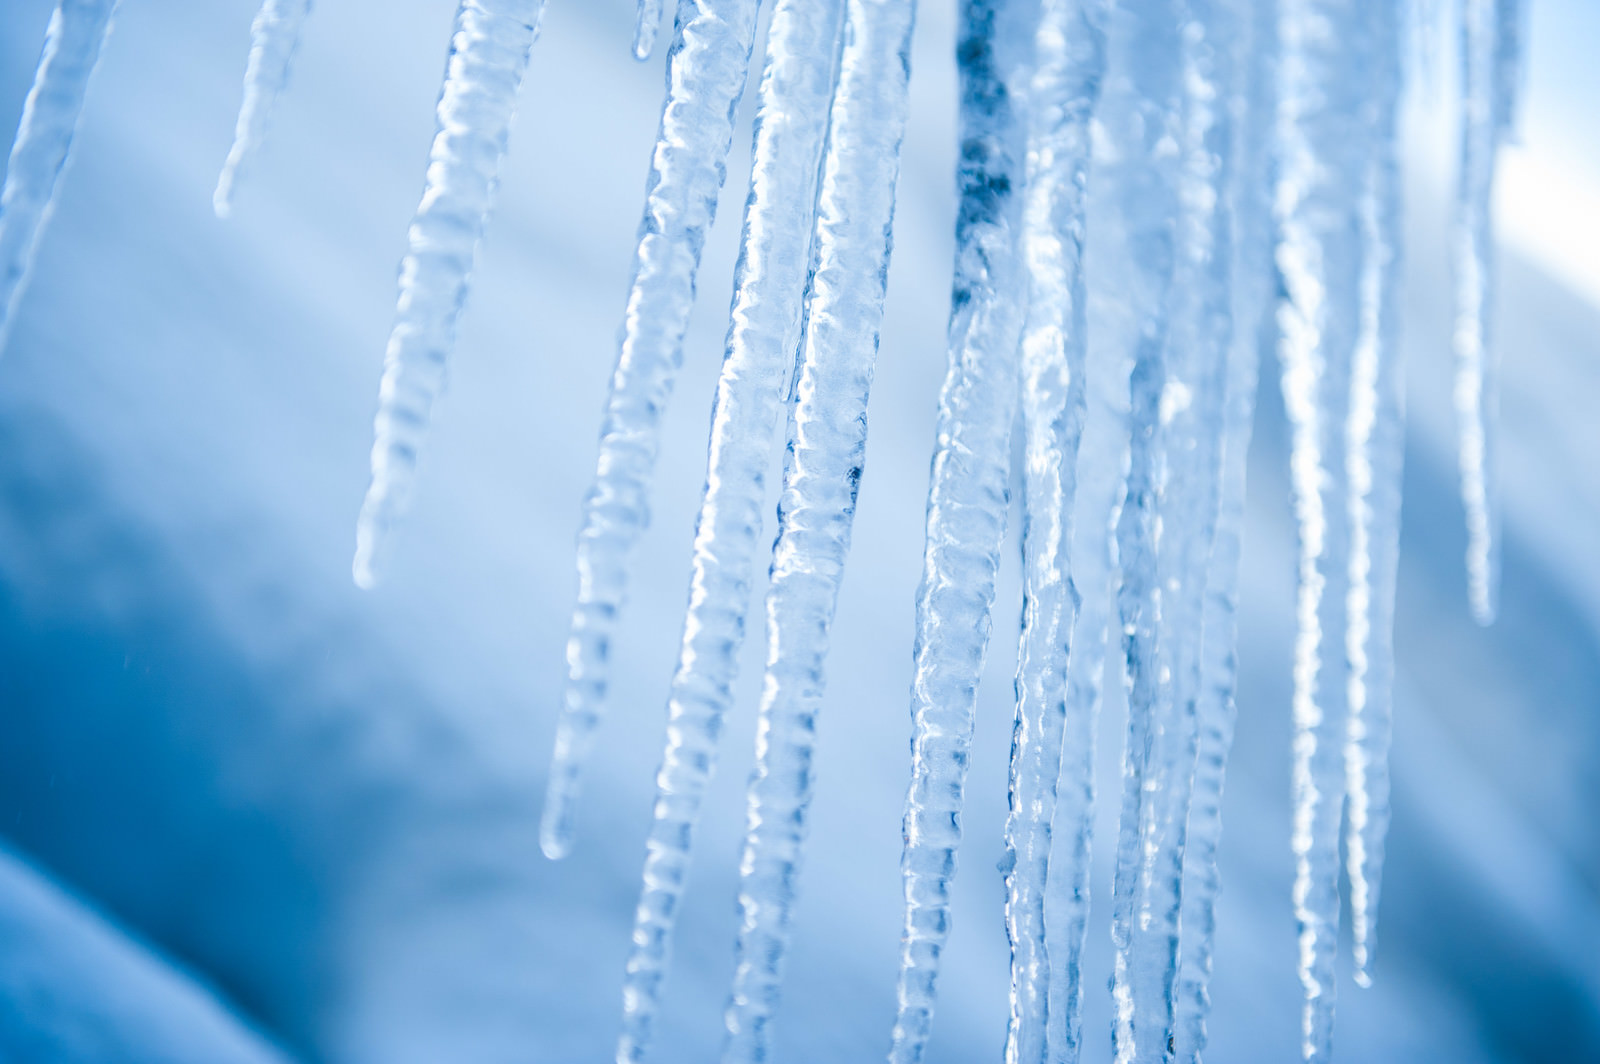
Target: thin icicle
(1147, 134)
(72, 43)
(1187, 454)
(1253, 290)
(273, 37)
(1375, 445)
(1490, 63)
(802, 55)
(1069, 63)
(646, 29)
(822, 471)
(967, 502)
(489, 51)
(706, 74)
(1324, 143)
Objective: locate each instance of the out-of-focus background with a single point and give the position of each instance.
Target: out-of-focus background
(248, 813)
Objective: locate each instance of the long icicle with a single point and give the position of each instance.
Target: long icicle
(646, 28)
(72, 44)
(1490, 60)
(968, 496)
(1374, 454)
(796, 89)
(1324, 150)
(1254, 288)
(1069, 64)
(1146, 177)
(706, 75)
(489, 51)
(273, 37)
(1191, 418)
(822, 471)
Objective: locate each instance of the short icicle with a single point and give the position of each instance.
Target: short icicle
(1069, 64)
(1324, 151)
(1146, 128)
(1490, 62)
(968, 496)
(489, 52)
(646, 28)
(1254, 288)
(822, 472)
(802, 55)
(273, 37)
(706, 75)
(72, 44)
(1374, 454)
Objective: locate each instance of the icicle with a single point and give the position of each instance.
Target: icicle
(1324, 137)
(72, 43)
(967, 503)
(273, 36)
(802, 54)
(1145, 174)
(645, 30)
(1490, 44)
(705, 77)
(827, 442)
(1185, 454)
(1069, 58)
(488, 56)
(1254, 287)
(1375, 445)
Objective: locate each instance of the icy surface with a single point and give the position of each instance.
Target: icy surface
(273, 37)
(821, 478)
(77, 31)
(775, 255)
(705, 79)
(1068, 65)
(488, 57)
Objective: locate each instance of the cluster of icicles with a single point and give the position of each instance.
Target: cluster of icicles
(1246, 151)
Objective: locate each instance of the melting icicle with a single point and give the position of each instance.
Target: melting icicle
(1490, 54)
(273, 36)
(822, 471)
(646, 29)
(967, 503)
(1145, 176)
(1069, 62)
(1375, 445)
(802, 52)
(705, 78)
(1254, 285)
(72, 43)
(488, 56)
(1325, 150)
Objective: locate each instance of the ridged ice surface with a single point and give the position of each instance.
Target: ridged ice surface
(273, 37)
(1374, 452)
(968, 497)
(72, 43)
(1069, 64)
(1324, 140)
(489, 52)
(706, 74)
(775, 256)
(1145, 174)
(1491, 32)
(1253, 289)
(822, 472)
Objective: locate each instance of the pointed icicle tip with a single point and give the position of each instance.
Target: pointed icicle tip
(646, 29)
